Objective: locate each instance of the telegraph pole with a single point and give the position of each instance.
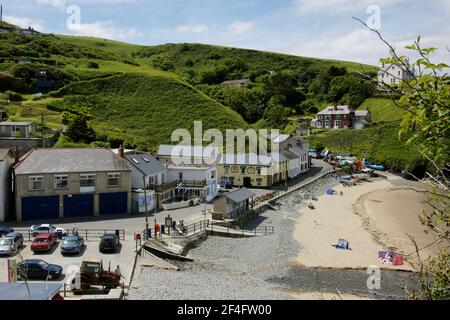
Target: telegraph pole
(1, 12)
(146, 210)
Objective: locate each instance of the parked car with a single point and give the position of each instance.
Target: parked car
(38, 269)
(10, 243)
(47, 228)
(43, 242)
(5, 230)
(72, 244)
(109, 242)
(226, 184)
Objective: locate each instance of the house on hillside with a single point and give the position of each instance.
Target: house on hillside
(10, 129)
(394, 73)
(341, 117)
(71, 183)
(242, 83)
(192, 168)
(6, 160)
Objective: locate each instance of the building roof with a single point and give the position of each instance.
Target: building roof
(38, 291)
(71, 160)
(11, 123)
(145, 163)
(361, 113)
(4, 153)
(279, 138)
(340, 110)
(245, 159)
(188, 151)
(240, 195)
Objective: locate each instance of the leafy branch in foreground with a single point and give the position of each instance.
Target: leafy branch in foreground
(427, 97)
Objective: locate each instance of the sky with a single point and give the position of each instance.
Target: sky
(312, 28)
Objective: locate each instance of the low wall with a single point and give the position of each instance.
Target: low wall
(26, 144)
(179, 205)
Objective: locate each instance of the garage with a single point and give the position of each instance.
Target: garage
(113, 203)
(40, 208)
(78, 205)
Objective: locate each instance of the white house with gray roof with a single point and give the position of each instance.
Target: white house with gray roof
(394, 73)
(10, 129)
(193, 168)
(147, 169)
(71, 183)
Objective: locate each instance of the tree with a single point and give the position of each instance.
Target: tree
(79, 131)
(426, 98)
(276, 113)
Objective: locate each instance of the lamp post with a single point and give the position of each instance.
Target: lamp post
(146, 210)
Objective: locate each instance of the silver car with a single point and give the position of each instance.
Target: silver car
(11, 243)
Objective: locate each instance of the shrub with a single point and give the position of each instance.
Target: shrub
(92, 65)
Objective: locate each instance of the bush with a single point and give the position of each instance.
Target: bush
(92, 65)
(12, 96)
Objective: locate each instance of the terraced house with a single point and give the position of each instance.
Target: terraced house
(68, 183)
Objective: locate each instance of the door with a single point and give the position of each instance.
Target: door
(40, 208)
(113, 203)
(78, 205)
(247, 182)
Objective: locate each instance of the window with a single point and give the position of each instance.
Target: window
(213, 174)
(258, 171)
(227, 169)
(60, 182)
(36, 183)
(113, 179)
(243, 170)
(337, 124)
(87, 180)
(180, 176)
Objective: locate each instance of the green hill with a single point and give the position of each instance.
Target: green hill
(137, 94)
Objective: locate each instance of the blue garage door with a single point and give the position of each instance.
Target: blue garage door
(78, 205)
(40, 208)
(113, 203)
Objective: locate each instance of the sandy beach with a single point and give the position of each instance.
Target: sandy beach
(372, 216)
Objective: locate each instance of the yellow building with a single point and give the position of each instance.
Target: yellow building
(251, 170)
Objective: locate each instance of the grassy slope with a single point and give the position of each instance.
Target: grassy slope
(382, 110)
(146, 109)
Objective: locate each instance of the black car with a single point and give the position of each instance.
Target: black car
(38, 269)
(109, 242)
(5, 230)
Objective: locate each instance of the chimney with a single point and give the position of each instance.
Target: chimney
(16, 155)
(335, 107)
(121, 151)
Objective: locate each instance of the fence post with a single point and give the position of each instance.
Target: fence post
(86, 235)
(265, 230)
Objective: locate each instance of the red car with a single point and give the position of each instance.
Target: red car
(43, 242)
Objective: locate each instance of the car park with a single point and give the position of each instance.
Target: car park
(5, 230)
(72, 245)
(10, 243)
(38, 269)
(43, 242)
(47, 228)
(109, 242)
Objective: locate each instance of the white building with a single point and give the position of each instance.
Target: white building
(193, 168)
(394, 74)
(6, 160)
(295, 151)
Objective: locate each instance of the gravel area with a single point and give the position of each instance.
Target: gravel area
(258, 267)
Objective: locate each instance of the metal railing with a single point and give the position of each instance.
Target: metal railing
(87, 234)
(258, 230)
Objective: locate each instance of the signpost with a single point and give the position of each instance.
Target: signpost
(12, 271)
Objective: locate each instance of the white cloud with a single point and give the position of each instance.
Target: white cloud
(61, 4)
(191, 28)
(334, 6)
(364, 46)
(25, 22)
(104, 29)
(240, 27)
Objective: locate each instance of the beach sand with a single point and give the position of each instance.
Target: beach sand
(372, 216)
